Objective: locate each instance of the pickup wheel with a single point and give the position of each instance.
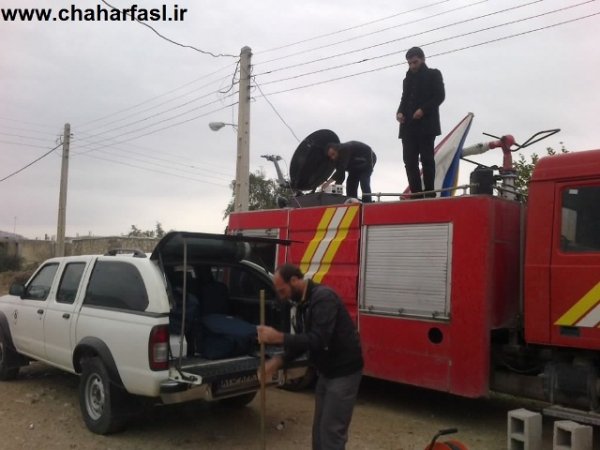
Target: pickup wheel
(8, 370)
(238, 402)
(299, 384)
(102, 403)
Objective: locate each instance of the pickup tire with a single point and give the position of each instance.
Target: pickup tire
(8, 369)
(302, 383)
(239, 401)
(103, 405)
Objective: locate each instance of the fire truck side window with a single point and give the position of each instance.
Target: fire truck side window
(580, 229)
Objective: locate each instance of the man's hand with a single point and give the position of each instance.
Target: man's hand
(269, 335)
(326, 184)
(271, 367)
(400, 117)
(418, 114)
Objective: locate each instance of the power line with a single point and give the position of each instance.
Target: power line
(22, 144)
(30, 164)
(28, 130)
(156, 158)
(274, 109)
(25, 137)
(108, 152)
(45, 125)
(461, 22)
(233, 82)
(162, 95)
(153, 170)
(204, 52)
(434, 55)
(374, 32)
(353, 27)
(163, 112)
(339, 66)
(157, 130)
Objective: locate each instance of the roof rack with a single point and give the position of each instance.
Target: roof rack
(137, 253)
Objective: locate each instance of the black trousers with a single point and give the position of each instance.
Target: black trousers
(334, 403)
(362, 177)
(413, 147)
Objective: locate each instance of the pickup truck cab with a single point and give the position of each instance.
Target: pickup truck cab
(176, 326)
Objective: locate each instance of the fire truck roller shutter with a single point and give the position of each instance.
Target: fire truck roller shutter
(406, 270)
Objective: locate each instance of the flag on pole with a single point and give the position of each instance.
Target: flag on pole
(447, 157)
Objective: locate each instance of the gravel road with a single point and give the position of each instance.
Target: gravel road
(40, 410)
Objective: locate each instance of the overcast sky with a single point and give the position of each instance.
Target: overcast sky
(139, 106)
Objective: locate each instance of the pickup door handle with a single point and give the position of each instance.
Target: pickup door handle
(40, 311)
(66, 315)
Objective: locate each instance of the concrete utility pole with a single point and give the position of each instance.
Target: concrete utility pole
(62, 198)
(242, 170)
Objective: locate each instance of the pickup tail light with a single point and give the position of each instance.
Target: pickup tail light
(158, 348)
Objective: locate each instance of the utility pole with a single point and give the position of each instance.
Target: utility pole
(62, 198)
(242, 168)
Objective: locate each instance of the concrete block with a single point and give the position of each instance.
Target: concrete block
(524, 430)
(569, 435)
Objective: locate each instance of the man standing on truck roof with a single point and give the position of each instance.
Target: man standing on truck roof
(419, 116)
(358, 160)
(324, 329)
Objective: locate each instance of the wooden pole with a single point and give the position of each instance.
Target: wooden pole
(263, 396)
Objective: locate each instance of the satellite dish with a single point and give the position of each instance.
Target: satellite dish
(310, 166)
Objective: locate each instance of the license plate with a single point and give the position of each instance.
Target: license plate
(234, 384)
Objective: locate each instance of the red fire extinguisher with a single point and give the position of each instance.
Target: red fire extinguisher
(447, 445)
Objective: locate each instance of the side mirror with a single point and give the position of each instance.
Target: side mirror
(17, 289)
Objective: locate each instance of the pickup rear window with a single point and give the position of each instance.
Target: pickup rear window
(116, 284)
(69, 283)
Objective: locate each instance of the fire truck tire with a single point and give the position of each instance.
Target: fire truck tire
(300, 384)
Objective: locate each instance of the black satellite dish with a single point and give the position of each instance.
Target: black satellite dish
(310, 166)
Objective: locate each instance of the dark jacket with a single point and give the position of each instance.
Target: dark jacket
(325, 330)
(354, 157)
(423, 89)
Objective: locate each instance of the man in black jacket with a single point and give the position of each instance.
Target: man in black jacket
(324, 329)
(358, 160)
(419, 116)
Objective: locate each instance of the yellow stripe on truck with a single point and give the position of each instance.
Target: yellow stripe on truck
(341, 235)
(581, 308)
(314, 243)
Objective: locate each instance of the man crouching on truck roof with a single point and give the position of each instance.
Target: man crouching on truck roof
(324, 329)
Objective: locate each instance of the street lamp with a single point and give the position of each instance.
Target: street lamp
(242, 169)
(216, 126)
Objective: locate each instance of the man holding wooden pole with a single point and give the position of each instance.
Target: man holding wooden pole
(324, 329)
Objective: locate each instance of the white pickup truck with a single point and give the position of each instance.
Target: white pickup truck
(177, 326)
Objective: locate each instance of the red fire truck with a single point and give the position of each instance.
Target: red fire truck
(464, 294)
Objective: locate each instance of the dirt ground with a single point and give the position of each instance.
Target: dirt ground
(40, 410)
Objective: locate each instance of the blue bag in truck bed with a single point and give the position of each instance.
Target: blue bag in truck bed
(225, 336)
